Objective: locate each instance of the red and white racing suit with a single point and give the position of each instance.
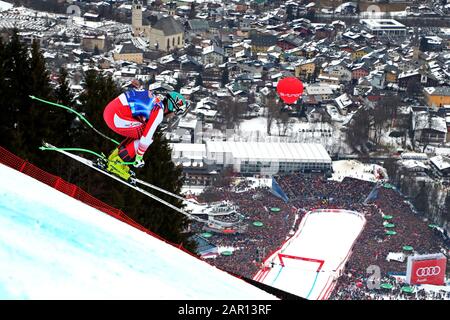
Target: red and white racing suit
(136, 115)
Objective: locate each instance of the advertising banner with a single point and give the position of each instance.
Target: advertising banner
(426, 269)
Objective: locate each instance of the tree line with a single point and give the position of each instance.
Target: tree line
(26, 123)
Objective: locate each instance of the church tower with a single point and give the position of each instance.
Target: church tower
(136, 17)
(172, 7)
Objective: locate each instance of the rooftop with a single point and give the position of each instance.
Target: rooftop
(441, 162)
(381, 23)
(271, 151)
(169, 26)
(437, 91)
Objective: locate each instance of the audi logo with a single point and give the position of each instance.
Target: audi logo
(428, 271)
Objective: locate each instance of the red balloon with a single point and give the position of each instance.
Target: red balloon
(290, 89)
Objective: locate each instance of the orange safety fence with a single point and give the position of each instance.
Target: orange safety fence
(11, 160)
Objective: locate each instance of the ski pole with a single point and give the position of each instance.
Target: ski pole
(78, 114)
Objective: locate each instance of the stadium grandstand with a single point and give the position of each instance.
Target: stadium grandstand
(253, 158)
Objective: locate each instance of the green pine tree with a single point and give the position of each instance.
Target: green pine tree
(199, 80)
(290, 13)
(6, 122)
(99, 90)
(62, 120)
(446, 210)
(62, 92)
(25, 123)
(35, 117)
(192, 12)
(161, 171)
(15, 87)
(225, 76)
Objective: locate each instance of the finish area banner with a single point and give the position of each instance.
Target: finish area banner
(426, 269)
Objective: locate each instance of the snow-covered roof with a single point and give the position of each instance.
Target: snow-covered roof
(423, 121)
(442, 151)
(397, 256)
(408, 74)
(91, 15)
(325, 77)
(166, 79)
(5, 6)
(189, 90)
(188, 147)
(207, 113)
(441, 162)
(188, 122)
(166, 59)
(382, 24)
(351, 35)
(159, 84)
(318, 89)
(414, 156)
(413, 164)
(343, 101)
(289, 152)
(434, 39)
(438, 91)
(213, 48)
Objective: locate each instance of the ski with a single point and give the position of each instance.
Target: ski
(144, 183)
(130, 183)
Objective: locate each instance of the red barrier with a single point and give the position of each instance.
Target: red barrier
(11, 160)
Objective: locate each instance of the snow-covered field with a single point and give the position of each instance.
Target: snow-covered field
(323, 242)
(194, 190)
(357, 170)
(329, 135)
(55, 247)
(5, 6)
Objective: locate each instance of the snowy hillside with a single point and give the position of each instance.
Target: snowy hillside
(358, 170)
(5, 6)
(55, 247)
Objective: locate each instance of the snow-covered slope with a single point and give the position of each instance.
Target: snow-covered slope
(55, 247)
(358, 170)
(5, 6)
(318, 252)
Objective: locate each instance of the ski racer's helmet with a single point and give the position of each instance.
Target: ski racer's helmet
(176, 103)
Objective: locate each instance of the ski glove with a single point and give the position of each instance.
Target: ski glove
(139, 161)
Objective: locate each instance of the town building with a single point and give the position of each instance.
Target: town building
(384, 27)
(166, 34)
(437, 96)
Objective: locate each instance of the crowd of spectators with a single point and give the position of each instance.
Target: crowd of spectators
(374, 245)
(257, 242)
(351, 290)
(309, 192)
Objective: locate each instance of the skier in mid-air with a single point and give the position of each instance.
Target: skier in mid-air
(136, 114)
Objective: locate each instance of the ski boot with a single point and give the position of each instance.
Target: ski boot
(115, 165)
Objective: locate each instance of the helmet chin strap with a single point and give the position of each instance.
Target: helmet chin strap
(174, 104)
